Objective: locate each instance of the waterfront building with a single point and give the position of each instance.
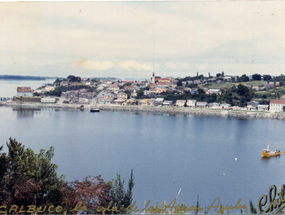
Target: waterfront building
(276, 105)
(158, 101)
(191, 103)
(225, 106)
(167, 103)
(214, 105)
(143, 102)
(118, 101)
(105, 100)
(263, 107)
(25, 92)
(48, 100)
(180, 103)
(252, 105)
(202, 104)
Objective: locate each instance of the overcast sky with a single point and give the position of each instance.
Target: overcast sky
(133, 39)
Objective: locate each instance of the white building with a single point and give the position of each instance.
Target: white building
(180, 103)
(48, 100)
(191, 103)
(276, 105)
(25, 92)
(212, 91)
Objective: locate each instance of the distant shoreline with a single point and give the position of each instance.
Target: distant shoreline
(156, 109)
(24, 78)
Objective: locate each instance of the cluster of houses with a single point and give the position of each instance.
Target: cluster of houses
(118, 92)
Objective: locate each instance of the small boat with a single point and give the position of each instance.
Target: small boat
(269, 153)
(94, 110)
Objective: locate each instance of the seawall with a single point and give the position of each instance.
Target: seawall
(156, 109)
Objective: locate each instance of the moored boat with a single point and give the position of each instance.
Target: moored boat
(94, 110)
(269, 153)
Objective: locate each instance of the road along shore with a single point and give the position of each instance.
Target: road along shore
(154, 109)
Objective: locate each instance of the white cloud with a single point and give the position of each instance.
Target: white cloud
(157, 36)
(134, 65)
(95, 65)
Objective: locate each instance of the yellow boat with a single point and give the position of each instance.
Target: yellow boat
(269, 153)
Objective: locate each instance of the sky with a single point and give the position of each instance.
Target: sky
(133, 39)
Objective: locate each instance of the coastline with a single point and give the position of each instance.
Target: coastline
(154, 109)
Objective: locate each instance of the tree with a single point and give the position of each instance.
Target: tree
(201, 91)
(57, 82)
(243, 78)
(92, 192)
(140, 92)
(28, 177)
(242, 90)
(179, 82)
(73, 78)
(252, 208)
(256, 77)
(119, 197)
(267, 77)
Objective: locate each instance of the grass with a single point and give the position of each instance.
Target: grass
(254, 83)
(216, 85)
(225, 85)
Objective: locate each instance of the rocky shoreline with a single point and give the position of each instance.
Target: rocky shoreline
(156, 109)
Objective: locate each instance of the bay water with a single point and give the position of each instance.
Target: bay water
(198, 155)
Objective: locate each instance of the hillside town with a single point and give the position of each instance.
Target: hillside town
(247, 93)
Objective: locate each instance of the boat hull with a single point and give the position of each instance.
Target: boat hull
(272, 154)
(94, 110)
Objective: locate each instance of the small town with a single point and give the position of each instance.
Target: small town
(221, 92)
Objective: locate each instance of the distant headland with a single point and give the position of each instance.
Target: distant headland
(24, 77)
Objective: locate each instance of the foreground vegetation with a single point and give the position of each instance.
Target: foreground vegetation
(27, 178)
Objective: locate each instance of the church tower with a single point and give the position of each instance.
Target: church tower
(153, 78)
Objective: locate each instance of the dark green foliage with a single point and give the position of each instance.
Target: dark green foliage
(179, 82)
(252, 208)
(30, 178)
(121, 198)
(267, 77)
(256, 77)
(197, 206)
(57, 82)
(56, 92)
(140, 92)
(242, 90)
(218, 75)
(72, 78)
(243, 78)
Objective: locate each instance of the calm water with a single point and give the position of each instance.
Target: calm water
(167, 153)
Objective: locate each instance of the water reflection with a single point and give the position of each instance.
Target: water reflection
(267, 159)
(25, 112)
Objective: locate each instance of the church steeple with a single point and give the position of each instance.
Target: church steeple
(153, 78)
